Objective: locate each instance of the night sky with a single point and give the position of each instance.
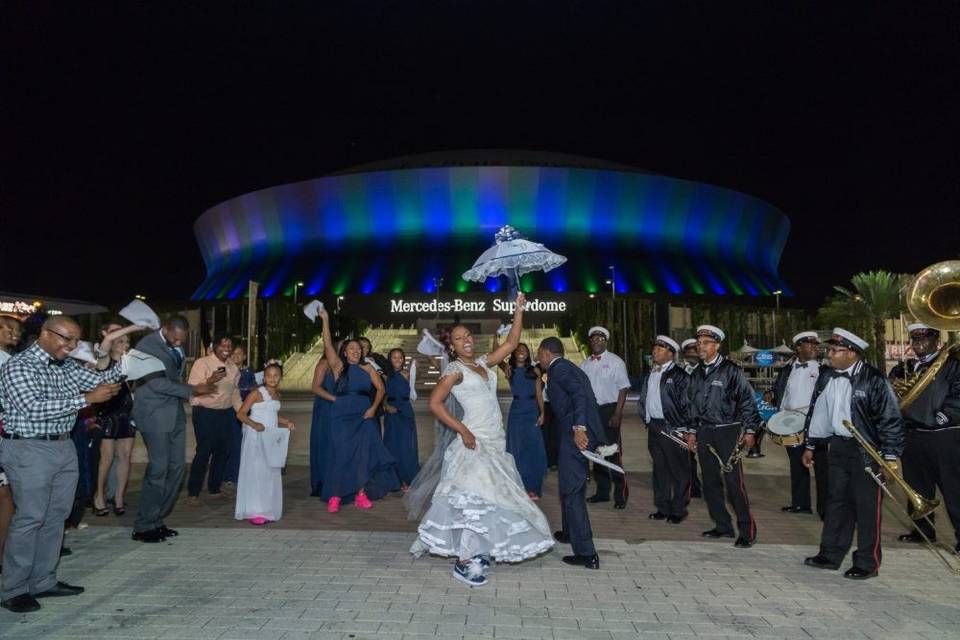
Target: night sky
(122, 124)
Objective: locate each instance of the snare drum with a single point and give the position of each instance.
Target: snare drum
(786, 427)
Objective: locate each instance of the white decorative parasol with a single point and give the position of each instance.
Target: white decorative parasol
(512, 256)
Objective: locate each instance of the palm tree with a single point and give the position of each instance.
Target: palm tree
(874, 299)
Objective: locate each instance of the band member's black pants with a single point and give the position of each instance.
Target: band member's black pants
(696, 489)
(854, 500)
(800, 478)
(603, 474)
(671, 471)
(716, 482)
(931, 460)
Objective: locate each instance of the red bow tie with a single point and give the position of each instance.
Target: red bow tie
(597, 358)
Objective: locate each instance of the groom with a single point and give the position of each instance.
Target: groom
(578, 426)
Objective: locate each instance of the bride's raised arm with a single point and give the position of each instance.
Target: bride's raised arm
(438, 407)
(509, 345)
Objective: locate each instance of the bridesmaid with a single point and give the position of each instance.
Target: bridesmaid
(359, 468)
(323, 391)
(524, 440)
(399, 422)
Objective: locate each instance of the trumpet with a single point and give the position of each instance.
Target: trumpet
(739, 451)
(677, 439)
(922, 507)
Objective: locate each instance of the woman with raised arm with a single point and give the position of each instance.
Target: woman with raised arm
(359, 468)
(480, 510)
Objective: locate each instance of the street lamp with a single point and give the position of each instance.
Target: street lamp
(296, 285)
(437, 282)
(776, 338)
(339, 300)
(612, 283)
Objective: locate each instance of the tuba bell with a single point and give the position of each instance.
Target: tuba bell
(933, 297)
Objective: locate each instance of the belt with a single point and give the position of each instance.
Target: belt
(524, 397)
(719, 426)
(53, 438)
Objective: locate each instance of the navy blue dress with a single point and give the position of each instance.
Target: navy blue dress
(320, 436)
(357, 458)
(400, 428)
(524, 440)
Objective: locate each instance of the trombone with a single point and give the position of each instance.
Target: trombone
(922, 507)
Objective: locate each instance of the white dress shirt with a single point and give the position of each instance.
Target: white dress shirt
(800, 384)
(653, 403)
(832, 408)
(608, 375)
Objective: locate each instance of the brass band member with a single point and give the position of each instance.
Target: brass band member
(664, 407)
(853, 391)
(723, 416)
(691, 360)
(931, 457)
(792, 390)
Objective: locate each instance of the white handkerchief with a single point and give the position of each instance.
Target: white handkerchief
(140, 314)
(591, 456)
(137, 364)
(312, 309)
(430, 346)
(83, 352)
(413, 380)
(608, 450)
(504, 329)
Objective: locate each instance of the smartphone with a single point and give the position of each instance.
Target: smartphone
(222, 369)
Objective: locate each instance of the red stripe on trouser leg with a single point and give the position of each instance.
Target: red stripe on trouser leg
(876, 542)
(743, 492)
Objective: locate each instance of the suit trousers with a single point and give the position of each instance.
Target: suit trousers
(671, 471)
(164, 474)
(800, 478)
(43, 479)
(214, 430)
(575, 521)
(931, 460)
(550, 435)
(602, 474)
(232, 471)
(716, 482)
(854, 500)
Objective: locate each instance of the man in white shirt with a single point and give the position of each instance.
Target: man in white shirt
(608, 378)
(791, 392)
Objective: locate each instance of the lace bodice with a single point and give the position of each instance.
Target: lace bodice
(478, 397)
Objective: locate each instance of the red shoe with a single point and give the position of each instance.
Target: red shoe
(363, 502)
(333, 505)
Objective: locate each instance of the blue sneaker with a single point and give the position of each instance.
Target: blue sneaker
(484, 562)
(470, 573)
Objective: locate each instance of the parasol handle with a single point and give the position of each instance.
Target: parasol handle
(513, 283)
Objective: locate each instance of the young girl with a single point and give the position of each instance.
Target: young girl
(263, 453)
(399, 422)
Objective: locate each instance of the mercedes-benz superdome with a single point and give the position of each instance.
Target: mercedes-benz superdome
(400, 225)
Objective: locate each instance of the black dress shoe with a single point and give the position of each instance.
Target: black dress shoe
(23, 603)
(743, 543)
(60, 590)
(561, 537)
(820, 562)
(790, 508)
(914, 536)
(802, 510)
(167, 532)
(588, 562)
(657, 516)
(66, 551)
(620, 505)
(153, 535)
(594, 499)
(856, 573)
(715, 533)
(676, 519)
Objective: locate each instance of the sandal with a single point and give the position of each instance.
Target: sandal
(100, 512)
(119, 511)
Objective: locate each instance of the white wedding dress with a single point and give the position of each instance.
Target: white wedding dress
(480, 506)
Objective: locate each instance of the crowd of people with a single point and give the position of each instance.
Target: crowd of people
(70, 416)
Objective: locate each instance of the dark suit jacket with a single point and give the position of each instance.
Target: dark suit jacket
(673, 397)
(158, 404)
(573, 403)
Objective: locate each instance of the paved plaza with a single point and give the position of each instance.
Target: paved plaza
(349, 575)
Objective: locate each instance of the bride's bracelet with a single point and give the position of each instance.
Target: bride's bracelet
(579, 427)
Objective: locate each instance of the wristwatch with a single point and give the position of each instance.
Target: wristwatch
(579, 427)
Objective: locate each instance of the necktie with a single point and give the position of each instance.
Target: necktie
(802, 366)
(596, 358)
(177, 358)
(843, 374)
(657, 368)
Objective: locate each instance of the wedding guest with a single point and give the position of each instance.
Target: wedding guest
(399, 421)
(260, 485)
(379, 363)
(524, 440)
(323, 388)
(9, 337)
(246, 382)
(214, 419)
(41, 391)
(359, 467)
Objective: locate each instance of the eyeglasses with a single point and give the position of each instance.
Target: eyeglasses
(66, 339)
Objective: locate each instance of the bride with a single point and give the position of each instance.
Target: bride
(480, 509)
